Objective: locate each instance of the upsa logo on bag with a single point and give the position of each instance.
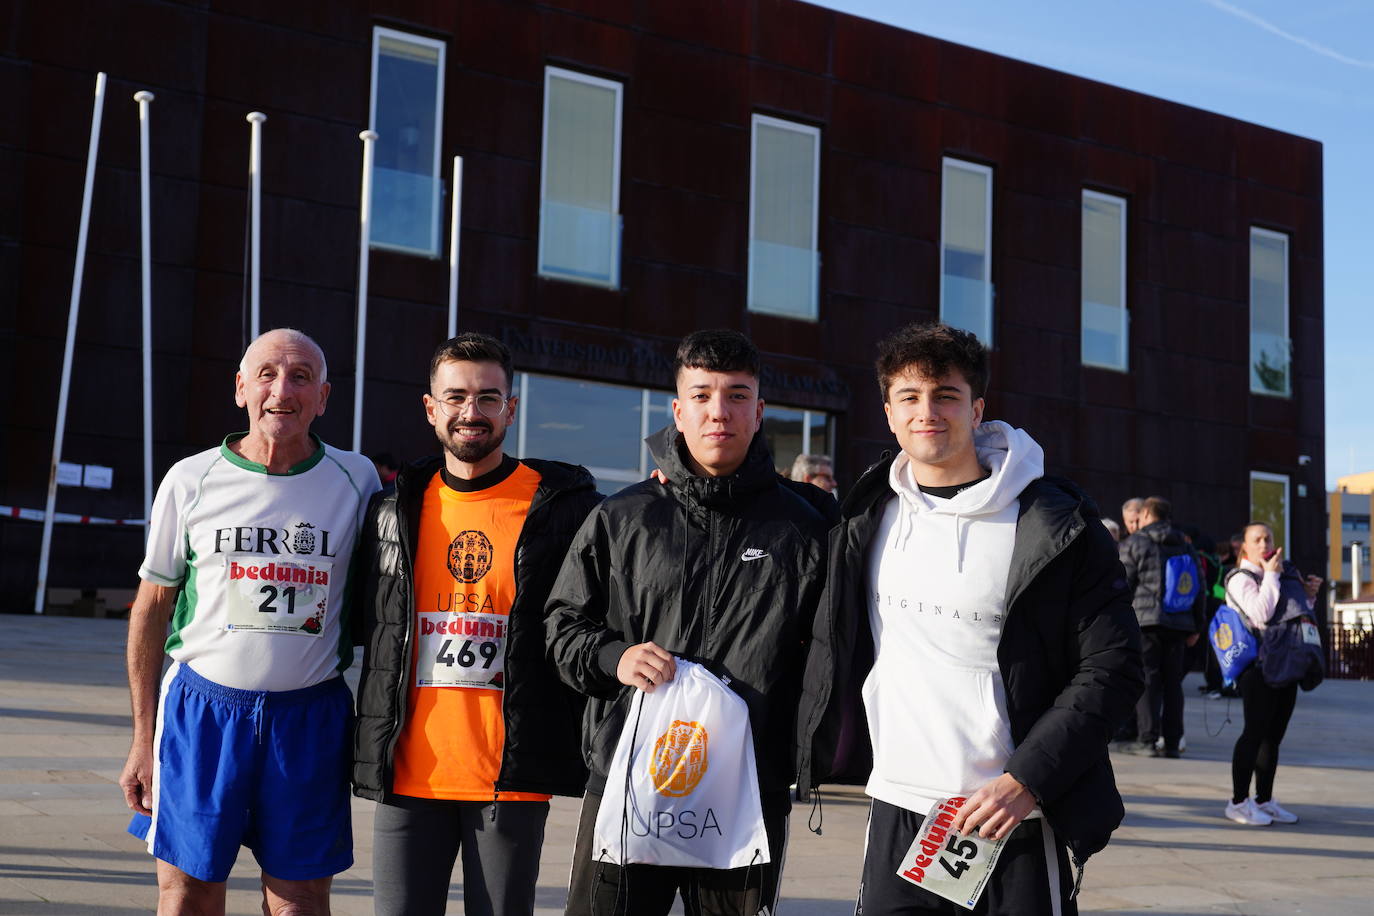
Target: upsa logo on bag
(1224, 637)
(679, 759)
(1185, 583)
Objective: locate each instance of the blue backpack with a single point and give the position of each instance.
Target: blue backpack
(1235, 646)
(1181, 584)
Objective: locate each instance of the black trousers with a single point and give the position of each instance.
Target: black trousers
(1267, 711)
(416, 841)
(1159, 710)
(603, 889)
(1023, 884)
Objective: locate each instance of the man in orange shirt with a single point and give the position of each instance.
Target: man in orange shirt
(464, 731)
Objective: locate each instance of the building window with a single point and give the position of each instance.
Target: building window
(579, 204)
(586, 423)
(1269, 503)
(1270, 349)
(1104, 335)
(791, 432)
(603, 427)
(784, 189)
(1355, 522)
(966, 248)
(407, 114)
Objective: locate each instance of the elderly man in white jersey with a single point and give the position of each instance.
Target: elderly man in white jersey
(246, 742)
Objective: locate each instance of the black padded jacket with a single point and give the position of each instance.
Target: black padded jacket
(722, 571)
(540, 753)
(1069, 654)
(1143, 556)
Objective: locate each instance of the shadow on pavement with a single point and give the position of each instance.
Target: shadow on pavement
(1317, 820)
(57, 715)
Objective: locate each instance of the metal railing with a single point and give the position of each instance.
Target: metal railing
(1350, 651)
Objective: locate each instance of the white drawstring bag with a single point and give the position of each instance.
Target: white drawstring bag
(683, 788)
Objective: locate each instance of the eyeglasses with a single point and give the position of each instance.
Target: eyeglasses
(488, 405)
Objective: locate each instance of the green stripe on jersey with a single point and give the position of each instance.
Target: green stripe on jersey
(187, 599)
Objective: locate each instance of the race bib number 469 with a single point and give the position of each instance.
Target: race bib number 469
(271, 596)
(947, 863)
(467, 649)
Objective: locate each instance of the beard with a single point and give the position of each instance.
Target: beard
(471, 452)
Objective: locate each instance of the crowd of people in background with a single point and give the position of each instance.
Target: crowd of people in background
(1181, 578)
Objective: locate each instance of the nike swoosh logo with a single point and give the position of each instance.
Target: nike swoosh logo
(753, 553)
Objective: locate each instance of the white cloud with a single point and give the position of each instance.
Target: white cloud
(1307, 43)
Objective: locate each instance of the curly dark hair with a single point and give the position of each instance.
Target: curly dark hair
(477, 348)
(933, 350)
(719, 350)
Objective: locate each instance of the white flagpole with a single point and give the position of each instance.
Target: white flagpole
(255, 190)
(60, 428)
(453, 246)
(369, 138)
(143, 99)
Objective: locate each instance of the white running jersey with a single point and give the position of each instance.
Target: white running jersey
(262, 563)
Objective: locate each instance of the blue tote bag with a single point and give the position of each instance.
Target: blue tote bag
(1235, 646)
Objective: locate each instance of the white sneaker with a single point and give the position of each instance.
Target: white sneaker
(1277, 813)
(1248, 813)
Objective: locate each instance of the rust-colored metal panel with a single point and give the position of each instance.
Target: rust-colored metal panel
(885, 58)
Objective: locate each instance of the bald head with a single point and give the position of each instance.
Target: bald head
(286, 337)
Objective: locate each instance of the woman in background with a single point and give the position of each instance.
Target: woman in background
(1266, 591)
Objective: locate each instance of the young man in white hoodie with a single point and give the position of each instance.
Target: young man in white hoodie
(983, 610)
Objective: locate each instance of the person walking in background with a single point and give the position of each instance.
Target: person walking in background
(1267, 591)
(387, 467)
(816, 470)
(1130, 514)
(1169, 604)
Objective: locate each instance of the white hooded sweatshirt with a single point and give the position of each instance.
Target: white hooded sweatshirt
(937, 576)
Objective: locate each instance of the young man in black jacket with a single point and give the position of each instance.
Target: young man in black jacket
(464, 730)
(721, 564)
(976, 641)
(1165, 636)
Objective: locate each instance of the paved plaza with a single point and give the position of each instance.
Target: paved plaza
(64, 733)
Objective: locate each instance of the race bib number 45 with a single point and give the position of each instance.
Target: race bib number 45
(467, 649)
(271, 596)
(947, 863)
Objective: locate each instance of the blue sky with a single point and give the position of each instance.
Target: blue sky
(1304, 68)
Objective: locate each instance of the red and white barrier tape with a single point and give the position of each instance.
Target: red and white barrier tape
(36, 515)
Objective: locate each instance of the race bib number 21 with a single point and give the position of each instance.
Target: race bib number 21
(271, 596)
(949, 864)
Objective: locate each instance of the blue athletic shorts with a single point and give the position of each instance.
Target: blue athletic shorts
(266, 770)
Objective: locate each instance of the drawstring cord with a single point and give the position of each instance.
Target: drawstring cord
(596, 882)
(1227, 721)
(817, 814)
(958, 545)
(744, 891)
(1079, 866)
(628, 800)
(256, 715)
